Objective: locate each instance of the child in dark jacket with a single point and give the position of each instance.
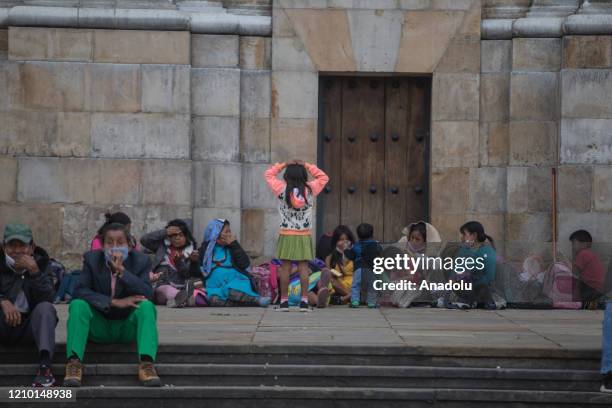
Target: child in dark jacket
(363, 254)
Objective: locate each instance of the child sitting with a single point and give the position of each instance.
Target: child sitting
(587, 267)
(341, 267)
(363, 254)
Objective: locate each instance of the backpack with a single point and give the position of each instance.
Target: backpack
(56, 270)
(559, 285)
(264, 279)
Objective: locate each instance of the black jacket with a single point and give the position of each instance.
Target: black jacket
(363, 253)
(37, 287)
(95, 282)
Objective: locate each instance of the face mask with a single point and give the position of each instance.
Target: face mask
(108, 253)
(10, 262)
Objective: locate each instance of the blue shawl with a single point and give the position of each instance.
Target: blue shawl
(211, 234)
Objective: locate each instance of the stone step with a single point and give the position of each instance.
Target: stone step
(307, 397)
(324, 376)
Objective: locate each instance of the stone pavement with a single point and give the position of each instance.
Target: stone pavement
(506, 329)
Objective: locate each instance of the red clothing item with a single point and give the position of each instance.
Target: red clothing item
(591, 269)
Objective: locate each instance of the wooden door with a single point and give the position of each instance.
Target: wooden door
(374, 144)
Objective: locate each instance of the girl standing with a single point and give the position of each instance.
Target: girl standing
(295, 200)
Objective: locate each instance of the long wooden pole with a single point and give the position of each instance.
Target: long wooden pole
(554, 213)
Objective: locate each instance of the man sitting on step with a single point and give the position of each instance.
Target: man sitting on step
(112, 305)
(26, 296)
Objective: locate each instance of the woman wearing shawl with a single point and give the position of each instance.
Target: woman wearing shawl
(224, 267)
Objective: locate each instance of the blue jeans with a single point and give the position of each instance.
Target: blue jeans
(367, 275)
(606, 341)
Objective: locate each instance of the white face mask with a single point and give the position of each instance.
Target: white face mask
(10, 262)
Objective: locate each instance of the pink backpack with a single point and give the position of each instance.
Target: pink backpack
(559, 286)
(265, 280)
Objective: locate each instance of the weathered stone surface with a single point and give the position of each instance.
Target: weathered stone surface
(165, 88)
(58, 44)
(452, 4)
(494, 97)
(493, 143)
(597, 223)
(586, 93)
(420, 47)
(574, 187)
(528, 227)
(44, 219)
(602, 188)
(53, 180)
(414, 4)
(536, 54)
(487, 188)
(3, 44)
(214, 50)
(281, 25)
(314, 28)
(255, 191)
(202, 216)
(166, 182)
(586, 141)
(290, 55)
(45, 133)
(300, 4)
(533, 143)
(113, 87)
(255, 94)
(517, 184)
(450, 187)
(216, 185)
(215, 91)
(496, 56)
(11, 86)
(140, 135)
(587, 51)
(462, 55)
(270, 235)
(252, 239)
(534, 96)
(141, 47)
(529, 189)
(54, 86)
(454, 144)
(293, 138)
(216, 138)
(255, 52)
(455, 97)
(255, 140)
(8, 181)
(294, 94)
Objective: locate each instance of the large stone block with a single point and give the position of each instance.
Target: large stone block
(166, 88)
(45, 133)
(11, 86)
(487, 190)
(528, 227)
(57, 44)
(462, 55)
(454, 144)
(255, 94)
(140, 135)
(88, 181)
(270, 235)
(166, 182)
(290, 55)
(450, 188)
(216, 185)
(586, 141)
(8, 181)
(55, 86)
(574, 187)
(294, 94)
(45, 220)
(493, 144)
(602, 188)
(215, 91)
(529, 189)
(293, 138)
(494, 97)
(414, 4)
(202, 216)
(255, 190)
(255, 140)
(113, 87)
(216, 138)
(281, 25)
(255, 52)
(536, 54)
(534, 96)
(253, 228)
(214, 50)
(142, 47)
(587, 51)
(496, 56)
(517, 184)
(586, 93)
(3, 44)
(455, 97)
(452, 4)
(533, 143)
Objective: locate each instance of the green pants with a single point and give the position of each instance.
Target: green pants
(86, 323)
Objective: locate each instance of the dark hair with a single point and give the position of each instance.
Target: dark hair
(338, 232)
(474, 227)
(115, 226)
(182, 225)
(114, 218)
(296, 177)
(365, 231)
(419, 227)
(581, 236)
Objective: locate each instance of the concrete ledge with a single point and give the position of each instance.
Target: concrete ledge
(541, 27)
(598, 24)
(136, 19)
(496, 29)
(546, 27)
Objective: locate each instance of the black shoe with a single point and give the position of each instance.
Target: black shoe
(44, 377)
(606, 383)
(284, 306)
(304, 307)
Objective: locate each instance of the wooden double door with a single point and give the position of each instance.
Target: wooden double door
(374, 145)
